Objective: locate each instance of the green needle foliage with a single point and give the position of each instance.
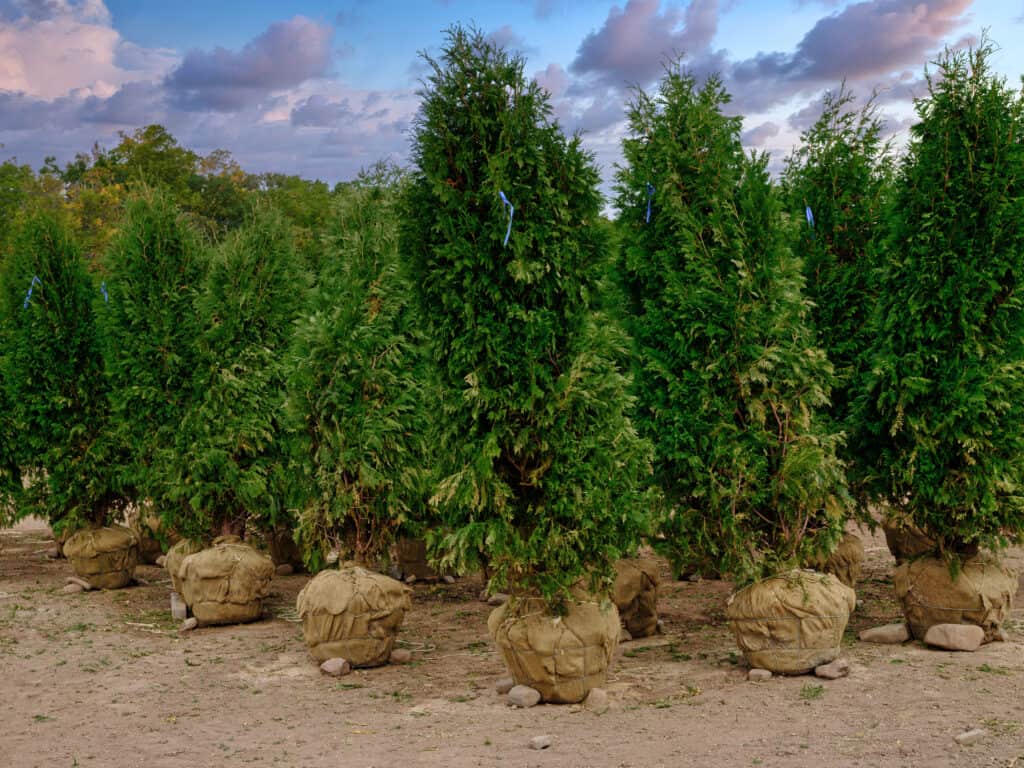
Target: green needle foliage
(355, 385)
(54, 390)
(225, 466)
(944, 402)
(731, 384)
(153, 268)
(541, 468)
(842, 170)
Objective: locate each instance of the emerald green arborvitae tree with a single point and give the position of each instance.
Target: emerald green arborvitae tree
(55, 393)
(225, 465)
(943, 405)
(836, 184)
(152, 270)
(730, 381)
(356, 382)
(541, 468)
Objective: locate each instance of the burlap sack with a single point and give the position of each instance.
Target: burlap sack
(283, 549)
(905, 541)
(142, 520)
(791, 623)
(563, 657)
(105, 557)
(411, 558)
(845, 562)
(176, 556)
(352, 613)
(982, 594)
(635, 594)
(226, 583)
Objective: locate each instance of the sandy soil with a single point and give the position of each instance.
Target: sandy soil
(104, 679)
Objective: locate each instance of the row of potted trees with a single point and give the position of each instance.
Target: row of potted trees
(766, 418)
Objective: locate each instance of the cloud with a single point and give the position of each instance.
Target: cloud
(134, 104)
(319, 111)
(866, 40)
(507, 38)
(286, 55)
(635, 42)
(554, 80)
(759, 134)
(51, 48)
(86, 11)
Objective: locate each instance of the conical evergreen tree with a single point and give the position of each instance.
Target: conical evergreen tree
(541, 466)
(837, 183)
(943, 404)
(355, 384)
(153, 270)
(225, 466)
(730, 381)
(53, 379)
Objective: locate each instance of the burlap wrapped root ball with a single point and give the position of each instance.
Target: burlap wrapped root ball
(562, 657)
(226, 583)
(105, 557)
(982, 594)
(791, 623)
(904, 540)
(635, 594)
(176, 556)
(845, 562)
(354, 614)
(148, 528)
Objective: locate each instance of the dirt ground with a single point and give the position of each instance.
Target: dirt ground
(104, 679)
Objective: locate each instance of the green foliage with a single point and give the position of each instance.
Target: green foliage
(153, 270)
(940, 418)
(55, 399)
(730, 382)
(16, 183)
(356, 385)
(541, 468)
(842, 170)
(225, 465)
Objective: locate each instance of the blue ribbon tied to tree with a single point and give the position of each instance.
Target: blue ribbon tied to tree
(28, 296)
(810, 216)
(103, 290)
(511, 213)
(650, 196)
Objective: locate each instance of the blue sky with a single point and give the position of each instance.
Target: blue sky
(322, 88)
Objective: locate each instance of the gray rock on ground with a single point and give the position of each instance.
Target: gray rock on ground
(336, 667)
(179, 609)
(759, 675)
(401, 656)
(284, 569)
(955, 637)
(504, 685)
(189, 624)
(889, 633)
(597, 700)
(523, 696)
(540, 742)
(972, 736)
(72, 589)
(834, 670)
(85, 585)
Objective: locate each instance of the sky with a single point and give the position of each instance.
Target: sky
(323, 88)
